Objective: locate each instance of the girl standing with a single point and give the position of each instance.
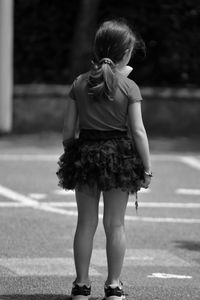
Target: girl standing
(110, 155)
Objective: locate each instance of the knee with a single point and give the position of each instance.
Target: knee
(111, 226)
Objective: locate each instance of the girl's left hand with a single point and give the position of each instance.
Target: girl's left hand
(146, 182)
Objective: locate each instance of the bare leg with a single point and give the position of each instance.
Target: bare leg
(115, 202)
(87, 222)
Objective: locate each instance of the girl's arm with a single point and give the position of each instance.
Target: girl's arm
(139, 134)
(70, 121)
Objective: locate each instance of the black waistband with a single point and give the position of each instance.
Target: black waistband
(92, 134)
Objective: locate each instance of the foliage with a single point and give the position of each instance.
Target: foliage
(44, 32)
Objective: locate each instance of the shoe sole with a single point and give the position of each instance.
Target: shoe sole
(115, 298)
(80, 297)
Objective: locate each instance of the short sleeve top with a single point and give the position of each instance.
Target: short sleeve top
(103, 114)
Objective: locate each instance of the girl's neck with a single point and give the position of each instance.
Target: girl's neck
(125, 70)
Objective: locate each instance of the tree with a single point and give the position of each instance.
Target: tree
(81, 49)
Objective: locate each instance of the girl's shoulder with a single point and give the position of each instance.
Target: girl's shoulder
(82, 77)
(127, 82)
(128, 86)
(80, 80)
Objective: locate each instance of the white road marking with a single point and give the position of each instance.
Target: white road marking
(8, 193)
(55, 157)
(142, 204)
(46, 207)
(57, 266)
(163, 220)
(168, 276)
(62, 192)
(142, 257)
(29, 157)
(182, 191)
(64, 266)
(191, 161)
(131, 204)
(12, 205)
(37, 196)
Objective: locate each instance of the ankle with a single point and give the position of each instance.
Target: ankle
(82, 282)
(113, 282)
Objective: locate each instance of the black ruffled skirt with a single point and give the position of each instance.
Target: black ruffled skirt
(102, 159)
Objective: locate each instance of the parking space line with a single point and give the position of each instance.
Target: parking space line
(193, 192)
(131, 204)
(191, 161)
(27, 201)
(29, 157)
(41, 266)
(37, 196)
(62, 192)
(64, 266)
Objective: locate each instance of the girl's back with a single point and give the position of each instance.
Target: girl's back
(103, 114)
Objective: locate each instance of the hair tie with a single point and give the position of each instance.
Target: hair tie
(106, 60)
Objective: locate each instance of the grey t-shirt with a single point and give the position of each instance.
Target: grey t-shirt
(104, 114)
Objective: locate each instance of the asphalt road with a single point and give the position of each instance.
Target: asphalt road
(37, 223)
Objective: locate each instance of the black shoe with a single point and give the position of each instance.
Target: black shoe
(114, 292)
(80, 292)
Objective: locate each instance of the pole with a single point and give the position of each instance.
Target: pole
(6, 64)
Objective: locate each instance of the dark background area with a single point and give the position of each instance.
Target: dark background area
(53, 39)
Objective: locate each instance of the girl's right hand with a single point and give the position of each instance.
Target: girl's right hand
(147, 180)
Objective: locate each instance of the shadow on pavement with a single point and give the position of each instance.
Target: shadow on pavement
(37, 297)
(189, 245)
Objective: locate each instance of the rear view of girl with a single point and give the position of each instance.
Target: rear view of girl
(109, 156)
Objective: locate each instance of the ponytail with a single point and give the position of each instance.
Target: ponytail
(102, 80)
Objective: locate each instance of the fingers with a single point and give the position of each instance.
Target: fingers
(145, 186)
(146, 182)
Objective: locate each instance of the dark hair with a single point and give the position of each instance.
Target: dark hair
(112, 40)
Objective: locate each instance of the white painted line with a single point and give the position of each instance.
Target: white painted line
(29, 157)
(163, 220)
(165, 157)
(41, 266)
(55, 157)
(32, 203)
(169, 205)
(64, 266)
(195, 192)
(191, 161)
(11, 205)
(8, 193)
(46, 207)
(168, 276)
(131, 204)
(63, 192)
(142, 257)
(142, 204)
(37, 196)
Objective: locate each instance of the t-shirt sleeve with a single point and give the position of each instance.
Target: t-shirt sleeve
(72, 90)
(134, 94)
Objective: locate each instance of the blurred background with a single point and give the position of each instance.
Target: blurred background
(45, 44)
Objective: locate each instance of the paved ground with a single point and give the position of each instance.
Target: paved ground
(37, 222)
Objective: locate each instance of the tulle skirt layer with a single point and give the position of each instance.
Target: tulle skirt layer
(104, 159)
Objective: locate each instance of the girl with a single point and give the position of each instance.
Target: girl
(110, 155)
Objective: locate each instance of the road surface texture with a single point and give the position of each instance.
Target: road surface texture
(38, 219)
